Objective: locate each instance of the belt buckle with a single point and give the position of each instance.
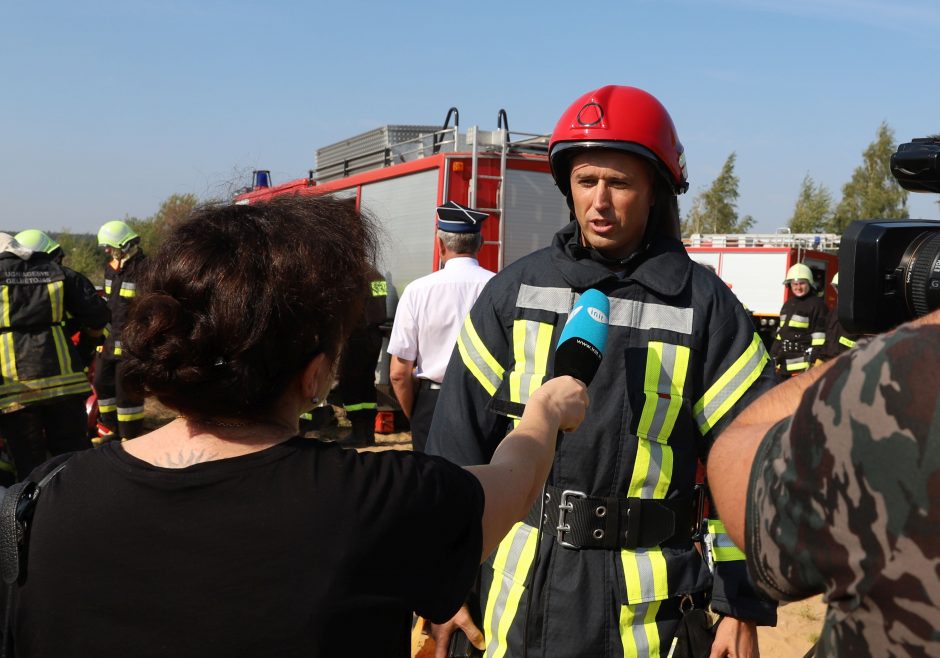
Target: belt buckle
(565, 506)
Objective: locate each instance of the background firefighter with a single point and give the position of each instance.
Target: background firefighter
(614, 565)
(802, 333)
(42, 395)
(356, 387)
(122, 412)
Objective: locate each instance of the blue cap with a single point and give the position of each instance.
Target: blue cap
(455, 218)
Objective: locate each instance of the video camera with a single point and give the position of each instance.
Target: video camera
(890, 269)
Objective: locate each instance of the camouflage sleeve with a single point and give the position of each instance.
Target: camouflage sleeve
(834, 488)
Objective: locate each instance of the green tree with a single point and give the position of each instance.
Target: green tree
(155, 228)
(813, 210)
(172, 212)
(715, 210)
(872, 193)
(82, 254)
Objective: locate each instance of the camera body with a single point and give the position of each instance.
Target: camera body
(890, 269)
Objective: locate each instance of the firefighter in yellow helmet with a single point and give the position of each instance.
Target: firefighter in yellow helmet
(802, 331)
(39, 242)
(122, 414)
(43, 390)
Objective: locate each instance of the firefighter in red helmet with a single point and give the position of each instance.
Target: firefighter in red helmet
(606, 564)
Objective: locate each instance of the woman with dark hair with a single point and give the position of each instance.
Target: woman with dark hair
(223, 533)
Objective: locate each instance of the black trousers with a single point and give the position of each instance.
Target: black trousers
(356, 386)
(120, 412)
(422, 413)
(45, 429)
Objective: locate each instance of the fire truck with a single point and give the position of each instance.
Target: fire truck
(400, 174)
(754, 266)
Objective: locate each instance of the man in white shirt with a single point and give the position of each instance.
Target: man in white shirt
(430, 313)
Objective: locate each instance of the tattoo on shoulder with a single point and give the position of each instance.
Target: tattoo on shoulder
(182, 459)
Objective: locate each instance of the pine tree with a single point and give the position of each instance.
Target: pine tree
(715, 209)
(872, 193)
(813, 210)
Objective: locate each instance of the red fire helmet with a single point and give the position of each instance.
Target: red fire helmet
(620, 118)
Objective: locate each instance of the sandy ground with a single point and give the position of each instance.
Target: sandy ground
(798, 624)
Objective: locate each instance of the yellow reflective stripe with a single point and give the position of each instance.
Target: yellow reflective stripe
(118, 350)
(638, 632)
(666, 368)
(107, 286)
(818, 338)
(847, 342)
(56, 299)
(645, 575)
(61, 350)
(511, 566)
(304, 416)
(360, 406)
(797, 364)
(477, 359)
(5, 301)
(129, 414)
(722, 548)
(128, 289)
(531, 343)
(107, 406)
(731, 386)
(30, 397)
(7, 355)
(379, 288)
(42, 383)
(799, 322)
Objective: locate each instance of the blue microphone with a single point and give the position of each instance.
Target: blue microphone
(583, 338)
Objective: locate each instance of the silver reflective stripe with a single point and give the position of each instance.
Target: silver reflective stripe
(637, 315)
(525, 377)
(556, 300)
(738, 383)
(623, 312)
(640, 640)
(503, 580)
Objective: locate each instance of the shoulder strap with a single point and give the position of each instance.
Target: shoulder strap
(16, 512)
(17, 505)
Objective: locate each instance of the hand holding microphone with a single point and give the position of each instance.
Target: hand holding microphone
(577, 358)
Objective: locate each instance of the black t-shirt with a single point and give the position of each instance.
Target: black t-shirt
(303, 549)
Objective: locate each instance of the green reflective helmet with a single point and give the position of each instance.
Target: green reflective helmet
(115, 234)
(797, 272)
(37, 241)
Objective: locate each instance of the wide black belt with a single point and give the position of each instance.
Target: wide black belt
(581, 521)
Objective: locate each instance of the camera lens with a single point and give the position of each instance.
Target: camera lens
(920, 268)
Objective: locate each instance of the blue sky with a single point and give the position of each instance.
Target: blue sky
(109, 107)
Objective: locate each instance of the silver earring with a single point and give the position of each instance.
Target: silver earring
(315, 400)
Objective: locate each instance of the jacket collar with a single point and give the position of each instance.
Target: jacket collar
(662, 266)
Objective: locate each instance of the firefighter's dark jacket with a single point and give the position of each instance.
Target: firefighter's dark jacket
(682, 359)
(838, 339)
(37, 359)
(120, 289)
(802, 333)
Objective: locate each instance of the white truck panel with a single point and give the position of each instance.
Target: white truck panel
(534, 211)
(405, 208)
(755, 278)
